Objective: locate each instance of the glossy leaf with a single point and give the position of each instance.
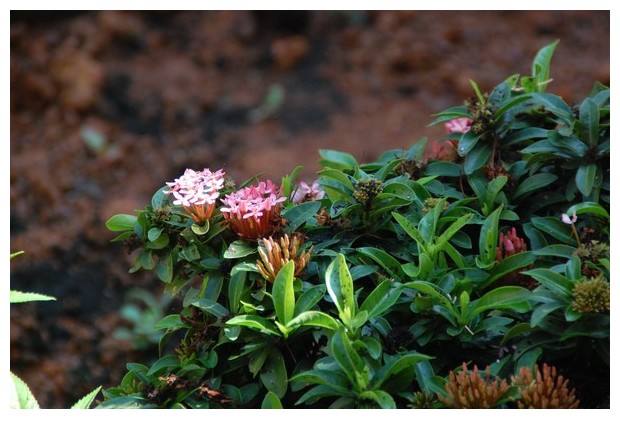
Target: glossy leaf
(385, 260)
(534, 183)
(509, 265)
(502, 297)
(336, 159)
(271, 401)
(299, 214)
(121, 222)
(477, 158)
(256, 323)
(340, 287)
(589, 118)
(467, 143)
(239, 249)
(350, 361)
(585, 178)
(273, 374)
(313, 318)
(381, 299)
(489, 236)
(283, 293)
(553, 281)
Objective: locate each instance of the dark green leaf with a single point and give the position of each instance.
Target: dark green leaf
(381, 299)
(589, 118)
(555, 105)
(254, 322)
(239, 249)
(351, 363)
(164, 363)
(467, 142)
(171, 321)
(509, 265)
(444, 168)
(336, 159)
(211, 307)
(585, 178)
(309, 299)
(297, 215)
(533, 183)
(588, 207)
(553, 281)
(555, 228)
(273, 375)
(386, 261)
(236, 289)
(164, 268)
(501, 297)
(396, 365)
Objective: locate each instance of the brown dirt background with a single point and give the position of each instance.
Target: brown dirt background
(170, 90)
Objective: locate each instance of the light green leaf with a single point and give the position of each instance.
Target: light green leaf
(20, 396)
(271, 401)
(121, 222)
(340, 287)
(351, 363)
(283, 294)
(86, 401)
(18, 297)
(255, 322)
(313, 318)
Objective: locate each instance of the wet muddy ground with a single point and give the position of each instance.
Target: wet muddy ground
(107, 106)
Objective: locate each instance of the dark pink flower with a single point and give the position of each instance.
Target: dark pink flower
(252, 211)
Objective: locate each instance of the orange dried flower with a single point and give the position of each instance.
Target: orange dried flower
(469, 389)
(547, 390)
(274, 255)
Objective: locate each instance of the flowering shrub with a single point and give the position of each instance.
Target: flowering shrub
(370, 286)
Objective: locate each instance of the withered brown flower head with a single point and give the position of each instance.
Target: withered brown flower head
(469, 389)
(274, 255)
(547, 390)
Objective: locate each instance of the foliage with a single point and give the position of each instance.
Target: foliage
(20, 396)
(388, 275)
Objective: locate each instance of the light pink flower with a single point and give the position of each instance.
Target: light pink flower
(304, 192)
(569, 220)
(458, 125)
(197, 192)
(252, 212)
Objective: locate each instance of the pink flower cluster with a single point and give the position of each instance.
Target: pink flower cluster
(446, 150)
(197, 192)
(458, 125)
(509, 245)
(251, 211)
(307, 192)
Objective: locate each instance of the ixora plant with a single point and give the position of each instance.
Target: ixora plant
(388, 284)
